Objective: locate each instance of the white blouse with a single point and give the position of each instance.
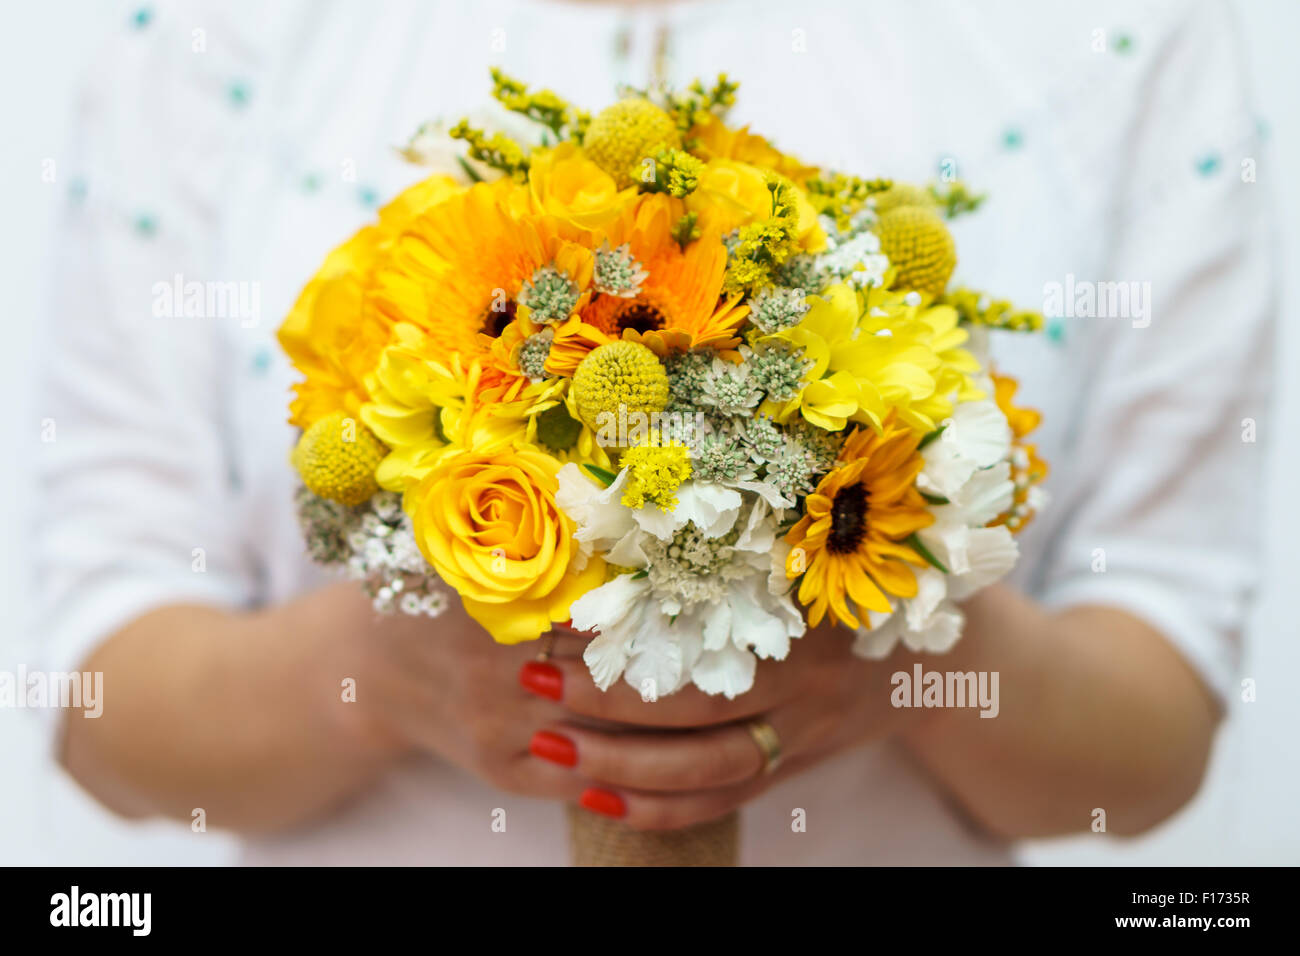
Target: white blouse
(238, 142)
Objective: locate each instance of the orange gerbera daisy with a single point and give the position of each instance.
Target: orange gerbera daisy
(458, 271)
(1027, 469)
(852, 540)
(674, 301)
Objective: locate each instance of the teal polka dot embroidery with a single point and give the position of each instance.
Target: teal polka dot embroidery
(238, 93)
(1012, 138)
(1056, 331)
(261, 361)
(368, 195)
(77, 189)
(142, 18)
(311, 183)
(1123, 44)
(1208, 164)
(145, 225)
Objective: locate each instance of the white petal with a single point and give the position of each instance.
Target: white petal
(987, 494)
(878, 643)
(717, 626)
(979, 432)
(605, 658)
(604, 607)
(766, 492)
(729, 671)
(946, 539)
(654, 520)
(991, 553)
(711, 507)
(931, 589)
(940, 632)
(655, 666)
(945, 471)
(759, 533)
(753, 627)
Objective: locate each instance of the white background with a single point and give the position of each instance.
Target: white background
(1249, 809)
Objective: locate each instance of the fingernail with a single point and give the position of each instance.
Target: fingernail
(542, 679)
(554, 748)
(603, 802)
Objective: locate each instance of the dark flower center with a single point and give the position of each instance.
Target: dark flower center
(848, 520)
(641, 317)
(496, 319)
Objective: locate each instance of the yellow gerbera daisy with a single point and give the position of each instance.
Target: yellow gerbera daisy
(677, 303)
(851, 543)
(458, 270)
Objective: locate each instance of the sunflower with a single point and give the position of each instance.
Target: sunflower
(852, 540)
(674, 299)
(462, 270)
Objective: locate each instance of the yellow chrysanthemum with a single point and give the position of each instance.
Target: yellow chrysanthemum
(621, 137)
(851, 544)
(337, 457)
(855, 375)
(424, 406)
(619, 377)
(919, 247)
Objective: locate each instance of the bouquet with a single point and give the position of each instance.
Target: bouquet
(645, 373)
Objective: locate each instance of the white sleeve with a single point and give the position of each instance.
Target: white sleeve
(1159, 504)
(135, 504)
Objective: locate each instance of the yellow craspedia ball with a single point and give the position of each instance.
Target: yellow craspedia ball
(619, 376)
(621, 136)
(337, 457)
(919, 247)
(904, 194)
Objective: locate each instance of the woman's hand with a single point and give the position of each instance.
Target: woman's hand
(691, 757)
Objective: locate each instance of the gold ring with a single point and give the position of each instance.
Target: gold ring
(545, 653)
(769, 744)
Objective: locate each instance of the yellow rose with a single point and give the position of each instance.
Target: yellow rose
(732, 194)
(567, 185)
(486, 519)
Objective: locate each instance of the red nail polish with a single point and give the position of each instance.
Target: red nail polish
(554, 748)
(603, 801)
(542, 679)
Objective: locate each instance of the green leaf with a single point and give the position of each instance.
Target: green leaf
(930, 437)
(935, 499)
(469, 170)
(603, 475)
(643, 573)
(915, 542)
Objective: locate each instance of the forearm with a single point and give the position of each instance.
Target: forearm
(1097, 710)
(238, 714)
